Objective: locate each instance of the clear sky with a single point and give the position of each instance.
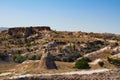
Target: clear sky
(66, 15)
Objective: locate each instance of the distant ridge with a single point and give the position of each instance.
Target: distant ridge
(3, 28)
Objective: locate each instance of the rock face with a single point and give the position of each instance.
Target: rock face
(47, 61)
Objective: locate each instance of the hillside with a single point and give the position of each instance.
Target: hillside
(21, 49)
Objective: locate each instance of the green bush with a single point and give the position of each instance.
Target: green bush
(87, 59)
(18, 58)
(82, 64)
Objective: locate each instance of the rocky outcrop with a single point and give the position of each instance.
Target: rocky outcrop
(27, 31)
(47, 61)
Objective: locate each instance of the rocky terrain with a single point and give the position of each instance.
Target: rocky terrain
(39, 50)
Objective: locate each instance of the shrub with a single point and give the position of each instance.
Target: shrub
(56, 58)
(73, 56)
(101, 64)
(38, 57)
(19, 52)
(69, 58)
(82, 64)
(34, 57)
(18, 58)
(65, 60)
(28, 49)
(28, 44)
(3, 56)
(114, 61)
(87, 59)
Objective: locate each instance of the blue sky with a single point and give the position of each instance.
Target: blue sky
(66, 15)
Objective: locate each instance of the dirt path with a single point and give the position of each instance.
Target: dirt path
(66, 73)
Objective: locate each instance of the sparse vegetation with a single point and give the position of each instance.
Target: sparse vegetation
(114, 61)
(93, 46)
(70, 58)
(18, 58)
(73, 56)
(19, 52)
(34, 57)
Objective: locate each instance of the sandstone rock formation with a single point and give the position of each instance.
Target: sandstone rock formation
(47, 61)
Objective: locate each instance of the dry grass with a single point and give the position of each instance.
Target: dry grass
(32, 67)
(106, 65)
(6, 66)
